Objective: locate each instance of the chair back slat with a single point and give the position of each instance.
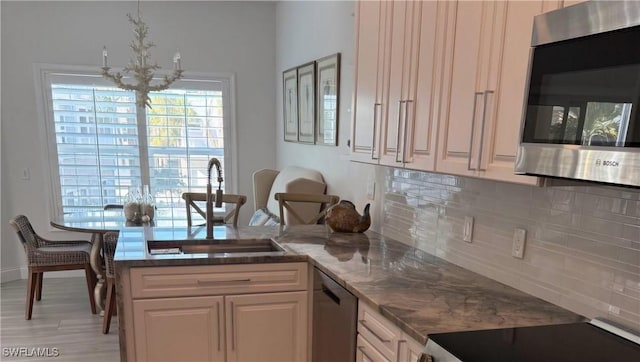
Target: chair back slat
(285, 201)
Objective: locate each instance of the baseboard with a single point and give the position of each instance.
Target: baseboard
(9, 275)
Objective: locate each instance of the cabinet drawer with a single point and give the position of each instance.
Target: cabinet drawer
(184, 281)
(378, 331)
(367, 353)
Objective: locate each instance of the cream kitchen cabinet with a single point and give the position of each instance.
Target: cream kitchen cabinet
(397, 69)
(243, 312)
(486, 63)
(367, 102)
(380, 341)
(266, 327)
(416, 39)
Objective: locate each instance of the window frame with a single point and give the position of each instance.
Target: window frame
(44, 74)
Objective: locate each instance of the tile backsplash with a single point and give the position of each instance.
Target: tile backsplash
(582, 244)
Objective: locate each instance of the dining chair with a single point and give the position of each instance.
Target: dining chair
(285, 200)
(193, 198)
(45, 255)
(109, 242)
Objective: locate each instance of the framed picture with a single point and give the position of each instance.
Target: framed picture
(290, 104)
(328, 99)
(306, 102)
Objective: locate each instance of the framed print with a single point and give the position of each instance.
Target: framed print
(306, 102)
(290, 104)
(328, 100)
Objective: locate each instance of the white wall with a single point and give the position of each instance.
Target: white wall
(307, 31)
(232, 37)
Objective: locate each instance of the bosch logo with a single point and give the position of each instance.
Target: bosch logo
(607, 163)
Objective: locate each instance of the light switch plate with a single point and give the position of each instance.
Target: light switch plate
(519, 239)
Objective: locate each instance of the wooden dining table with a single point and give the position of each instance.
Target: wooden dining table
(98, 223)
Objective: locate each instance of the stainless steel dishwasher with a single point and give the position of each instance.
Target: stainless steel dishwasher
(335, 311)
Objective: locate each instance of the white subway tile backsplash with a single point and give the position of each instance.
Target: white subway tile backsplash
(583, 247)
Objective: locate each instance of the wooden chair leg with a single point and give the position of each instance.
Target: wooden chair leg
(39, 287)
(110, 305)
(31, 289)
(91, 283)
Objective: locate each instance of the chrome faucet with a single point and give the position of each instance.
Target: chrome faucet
(209, 208)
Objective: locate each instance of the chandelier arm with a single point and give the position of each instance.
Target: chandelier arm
(117, 79)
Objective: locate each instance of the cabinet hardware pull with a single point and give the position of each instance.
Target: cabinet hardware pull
(233, 329)
(218, 310)
(364, 324)
(398, 130)
(404, 143)
(375, 128)
(473, 126)
(223, 281)
(484, 116)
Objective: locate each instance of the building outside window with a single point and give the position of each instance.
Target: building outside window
(101, 145)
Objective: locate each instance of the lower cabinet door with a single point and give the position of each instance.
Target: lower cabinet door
(410, 351)
(267, 327)
(365, 352)
(179, 329)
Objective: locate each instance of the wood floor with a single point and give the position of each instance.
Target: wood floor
(61, 321)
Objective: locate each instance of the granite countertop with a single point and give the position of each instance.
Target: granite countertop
(420, 293)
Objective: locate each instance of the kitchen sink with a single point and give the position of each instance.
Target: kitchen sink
(224, 247)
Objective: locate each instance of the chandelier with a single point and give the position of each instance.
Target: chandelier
(140, 66)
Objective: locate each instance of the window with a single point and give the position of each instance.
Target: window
(101, 145)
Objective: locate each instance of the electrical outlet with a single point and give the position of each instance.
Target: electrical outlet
(371, 188)
(467, 232)
(519, 239)
(26, 174)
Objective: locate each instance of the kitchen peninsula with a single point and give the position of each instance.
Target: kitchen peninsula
(417, 292)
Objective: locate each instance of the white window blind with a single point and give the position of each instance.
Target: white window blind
(100, 151)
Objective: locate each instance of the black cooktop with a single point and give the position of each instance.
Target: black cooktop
(566, 342)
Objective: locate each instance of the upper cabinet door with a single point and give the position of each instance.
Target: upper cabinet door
(467, 51)
(367, 103)
(416, 33)
(425, 86)
(505, 90)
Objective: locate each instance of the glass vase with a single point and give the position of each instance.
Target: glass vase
(148, 206)
(133, 205)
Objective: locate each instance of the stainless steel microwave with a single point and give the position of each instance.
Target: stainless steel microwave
(581, 116)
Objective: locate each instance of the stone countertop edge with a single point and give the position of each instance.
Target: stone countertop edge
(418, 292)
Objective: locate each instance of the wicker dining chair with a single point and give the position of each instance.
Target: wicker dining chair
(50, 255)
(191, 199)
(109, 242)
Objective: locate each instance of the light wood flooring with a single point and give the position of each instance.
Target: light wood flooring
(62, 320)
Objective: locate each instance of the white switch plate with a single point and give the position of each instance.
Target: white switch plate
(371, 189)
(519, 239)
(467, 232)
(26, 174)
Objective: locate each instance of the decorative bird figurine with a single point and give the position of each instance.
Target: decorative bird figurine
(343, 217)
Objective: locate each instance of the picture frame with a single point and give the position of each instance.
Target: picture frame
(306, 102)
(290, 104)
(328, 99)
